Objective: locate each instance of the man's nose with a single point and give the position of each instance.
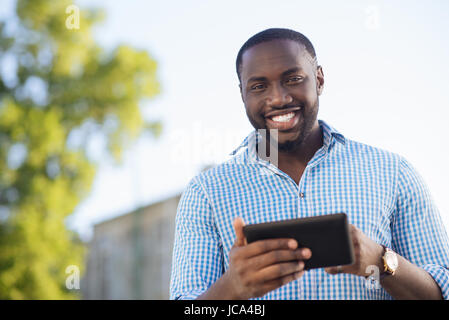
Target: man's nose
(278, 96)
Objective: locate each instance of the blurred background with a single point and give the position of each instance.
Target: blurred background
(109, 108)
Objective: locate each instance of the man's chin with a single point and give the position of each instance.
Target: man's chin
(288, 141)
(289, 146)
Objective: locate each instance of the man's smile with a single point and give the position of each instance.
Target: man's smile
(283, 121)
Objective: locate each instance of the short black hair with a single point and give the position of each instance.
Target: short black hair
(274, 34)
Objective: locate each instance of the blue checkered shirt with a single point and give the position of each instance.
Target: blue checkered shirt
(381, 193)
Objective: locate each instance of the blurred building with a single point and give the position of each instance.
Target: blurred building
(130, 256)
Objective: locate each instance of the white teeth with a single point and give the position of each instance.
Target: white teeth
(284, 117)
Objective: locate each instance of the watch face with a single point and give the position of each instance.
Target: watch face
(391, 260)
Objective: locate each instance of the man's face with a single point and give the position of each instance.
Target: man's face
(280, 85)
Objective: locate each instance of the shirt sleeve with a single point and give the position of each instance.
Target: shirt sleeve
(197, 253)
(418, 232)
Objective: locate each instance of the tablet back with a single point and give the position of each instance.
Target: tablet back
(327, 236)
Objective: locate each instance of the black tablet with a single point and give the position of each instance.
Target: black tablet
(327, 236)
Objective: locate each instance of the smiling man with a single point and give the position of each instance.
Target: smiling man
(395, 226)
(280, 83)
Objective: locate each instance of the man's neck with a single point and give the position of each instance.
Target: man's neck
(304, 152)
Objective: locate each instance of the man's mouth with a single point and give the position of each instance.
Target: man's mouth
(283, 122)
(283, 118)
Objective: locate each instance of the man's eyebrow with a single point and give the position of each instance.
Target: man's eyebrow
(287, 72)
(256, 79)
(291, 70)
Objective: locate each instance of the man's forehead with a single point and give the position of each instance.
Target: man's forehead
(275, 55)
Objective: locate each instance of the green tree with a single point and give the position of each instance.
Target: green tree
(58, 83)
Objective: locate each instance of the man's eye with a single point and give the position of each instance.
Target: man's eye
(257, 87)
(294, 80)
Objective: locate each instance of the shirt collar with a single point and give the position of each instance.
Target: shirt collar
(329, 132)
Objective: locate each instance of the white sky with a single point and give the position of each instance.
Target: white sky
(385, 65)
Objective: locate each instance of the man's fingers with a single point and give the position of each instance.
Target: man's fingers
(336, 270)
(331, 270)
(279, 256)
(263, 246)
(277, 283)
(240, 239)
(280, 270)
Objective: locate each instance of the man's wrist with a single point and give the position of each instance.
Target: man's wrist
(227, 287)
(379, 259)
(220, 290)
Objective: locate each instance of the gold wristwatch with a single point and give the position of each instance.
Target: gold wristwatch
(390, 261)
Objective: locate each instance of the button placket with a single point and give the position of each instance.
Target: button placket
(302, 208)
(275, 170)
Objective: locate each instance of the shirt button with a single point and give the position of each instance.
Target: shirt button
(301, 195)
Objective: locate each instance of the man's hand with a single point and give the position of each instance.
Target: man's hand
(366, 253)
(262, 266)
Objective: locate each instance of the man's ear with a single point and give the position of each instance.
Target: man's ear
(319, 80)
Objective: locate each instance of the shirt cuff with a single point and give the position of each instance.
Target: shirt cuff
(192, 295)
(441, 276)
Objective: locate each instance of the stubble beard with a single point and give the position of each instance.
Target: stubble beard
(304, 132)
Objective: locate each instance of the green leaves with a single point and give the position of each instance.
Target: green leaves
(84, 85)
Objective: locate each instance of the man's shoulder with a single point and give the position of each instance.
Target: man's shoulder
(226, 174)
(229, 167)
(363, 150)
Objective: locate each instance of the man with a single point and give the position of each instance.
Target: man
(395, 225)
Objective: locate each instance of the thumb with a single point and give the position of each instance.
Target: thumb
(240, 239)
